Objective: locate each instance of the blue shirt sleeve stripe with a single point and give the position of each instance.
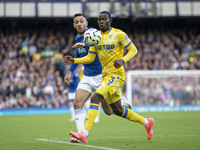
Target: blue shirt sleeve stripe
(128, 44)
(93, 52)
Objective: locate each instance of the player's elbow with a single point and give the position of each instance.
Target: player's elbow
(135, 51)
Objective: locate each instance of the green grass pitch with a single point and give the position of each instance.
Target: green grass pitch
(172, 131)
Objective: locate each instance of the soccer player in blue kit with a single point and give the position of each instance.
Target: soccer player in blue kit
(92, 76)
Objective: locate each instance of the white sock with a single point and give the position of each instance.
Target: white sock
(80, 116)
(96, 119)
(146, 121)
(71, 107)
(86, 132)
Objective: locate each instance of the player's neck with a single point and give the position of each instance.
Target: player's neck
(80, 34)
(106, 30)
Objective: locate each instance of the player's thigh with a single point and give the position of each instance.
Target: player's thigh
(81, 97)
(85, 84)
(110, 87)
(115, 97)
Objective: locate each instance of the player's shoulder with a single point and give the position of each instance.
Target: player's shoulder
(118, 30)
(121, 34)
(76, 37)
(79, 38)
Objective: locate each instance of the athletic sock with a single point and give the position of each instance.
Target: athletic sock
(91, 115)
(79, 115)
(146, 121)
(71, 107)
(86, 132)
(97, 117)
(132, 116)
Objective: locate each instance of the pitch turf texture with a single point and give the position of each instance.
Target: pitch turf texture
(172, 131)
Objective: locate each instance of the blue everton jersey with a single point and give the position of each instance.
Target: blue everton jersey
(91, 69)
(73, 82)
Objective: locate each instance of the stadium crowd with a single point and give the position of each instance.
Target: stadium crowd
(168, 91)
(39, 84)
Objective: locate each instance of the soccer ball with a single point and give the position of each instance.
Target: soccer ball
(92, 37)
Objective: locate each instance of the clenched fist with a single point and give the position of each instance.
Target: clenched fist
(67, 77)
(118, 63)
(69, 59)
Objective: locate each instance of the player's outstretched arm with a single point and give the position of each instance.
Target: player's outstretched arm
(78, 45)
(84, 60)
(89, 58)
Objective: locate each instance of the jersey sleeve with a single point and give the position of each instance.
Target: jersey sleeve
(128, 44)
(89, 58)
(93, 50)
(124, 39)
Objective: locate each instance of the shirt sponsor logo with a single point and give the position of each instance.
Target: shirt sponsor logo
(81, 50)
(107, 47)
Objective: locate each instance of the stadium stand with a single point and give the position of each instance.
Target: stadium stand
(27, 81)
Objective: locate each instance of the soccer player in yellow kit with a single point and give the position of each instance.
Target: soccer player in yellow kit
(110, 54)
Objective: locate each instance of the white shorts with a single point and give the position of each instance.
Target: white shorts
(71, 96)
(90, 84)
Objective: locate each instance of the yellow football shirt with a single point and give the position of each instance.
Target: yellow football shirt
(110, 49)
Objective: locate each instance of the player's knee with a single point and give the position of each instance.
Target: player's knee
(109, 113)
(96, 98)
(118, 112)
(78, 104)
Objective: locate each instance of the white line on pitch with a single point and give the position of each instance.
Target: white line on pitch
(84, 145)
(115, 137)
(144, 136)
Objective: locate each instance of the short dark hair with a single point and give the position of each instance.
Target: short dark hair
(106, 12)
(79, 14)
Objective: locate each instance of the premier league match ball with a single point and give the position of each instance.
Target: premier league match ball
(92, 37)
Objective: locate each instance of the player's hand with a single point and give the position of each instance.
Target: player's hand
(67, 77)
(68, 59)
(118, 63)
(78, 45)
